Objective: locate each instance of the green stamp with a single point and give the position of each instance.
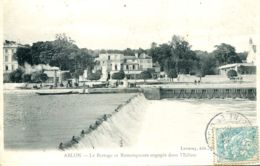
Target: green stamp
(236, 144)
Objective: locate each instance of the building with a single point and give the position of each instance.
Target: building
(240, 68)
(9, 62)
(252, 53)
(54, 75)
(243, 68)
(131, 65)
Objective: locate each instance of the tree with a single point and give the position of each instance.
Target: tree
(16, 76)
(207, 64)
(94, 76)
(119, 75)
(242, 55)
(231, 73)
(35, 77)
(182, 55)
(129, 52)
(226, 54)
(66, 76)
(145, 75)
(76, 74)
(62, 53)
(22, 55)
(160, 53)
(39, 76)
(172, 74)
(26, 77)
(63, 38)
(176, 54)
(43, 77)
(140, 51)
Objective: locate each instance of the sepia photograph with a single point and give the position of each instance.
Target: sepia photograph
(128, 82)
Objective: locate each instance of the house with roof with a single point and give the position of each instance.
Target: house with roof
(9, 61)
(132, 66)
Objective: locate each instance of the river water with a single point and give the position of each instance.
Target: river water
(164, 124)
(42, 122)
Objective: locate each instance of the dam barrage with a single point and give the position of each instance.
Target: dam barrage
(161, 124)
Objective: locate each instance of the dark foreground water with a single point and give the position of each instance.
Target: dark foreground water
(42, 122)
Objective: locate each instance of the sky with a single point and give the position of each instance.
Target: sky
(120, 24)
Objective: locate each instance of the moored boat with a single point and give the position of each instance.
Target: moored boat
(55, 93)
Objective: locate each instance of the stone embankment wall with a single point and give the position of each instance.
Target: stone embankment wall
(200, 93)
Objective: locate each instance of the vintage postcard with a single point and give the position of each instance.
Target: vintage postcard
(129, 82)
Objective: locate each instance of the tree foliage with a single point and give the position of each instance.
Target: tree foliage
(16, 76)
(231, 73)
(66, 75)
(39, 76)
(94, 76)
(242, 56)
(145, 75)
(207, 64)
(62, 53)
(119, 75)
(129, 52)
(23, 55)
(226, 54)
(172, 73)
(43, 77)
(176, 54)
(27, 78)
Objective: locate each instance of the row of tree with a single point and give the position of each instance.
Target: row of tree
(19, 75)
(175, 57)
(143, 75)
(127, 51)
(62, 53)
(120, 75)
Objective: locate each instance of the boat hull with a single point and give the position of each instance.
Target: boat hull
(55, 93)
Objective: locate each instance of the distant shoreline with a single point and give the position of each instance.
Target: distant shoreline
(21, 86)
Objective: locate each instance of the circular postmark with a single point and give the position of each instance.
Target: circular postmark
(227, 119)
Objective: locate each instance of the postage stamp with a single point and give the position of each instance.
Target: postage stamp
(236, 145)
(224, 119)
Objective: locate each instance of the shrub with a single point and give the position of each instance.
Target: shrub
(39, 77)
(66, 76)
(27, 77)
(172, 74)
(94, 76)
(231, 73)
(43, 77)
(16, 76)
(119, 75)
(145, 75)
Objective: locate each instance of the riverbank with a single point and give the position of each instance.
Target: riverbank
(20, 86)
(160, 91)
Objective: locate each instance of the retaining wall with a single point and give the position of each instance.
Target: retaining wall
(199, 93)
